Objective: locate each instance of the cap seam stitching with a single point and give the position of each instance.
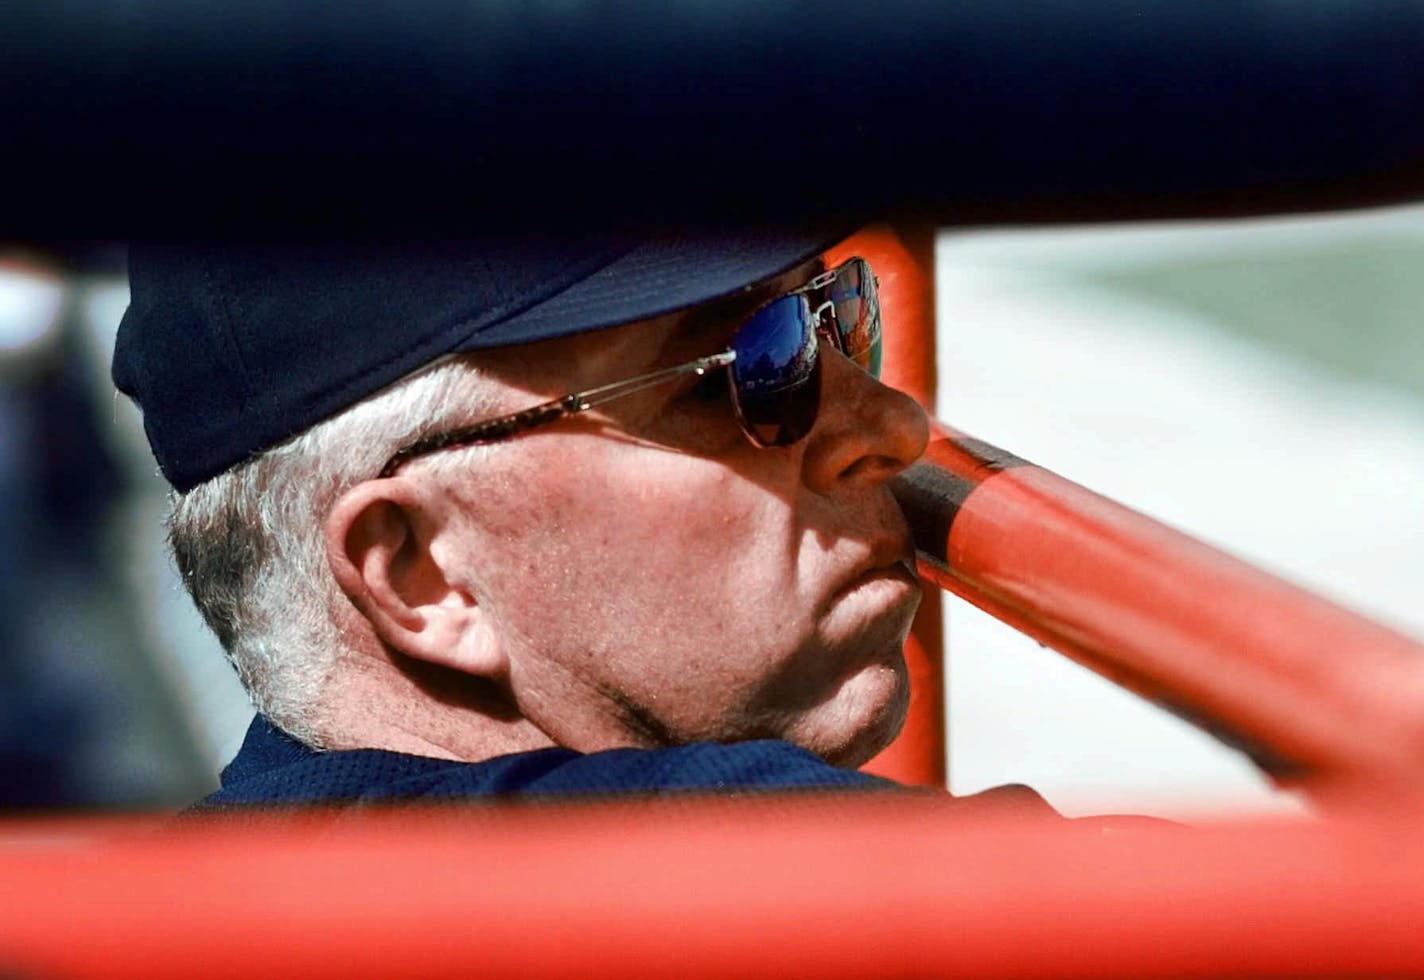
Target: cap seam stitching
(228, 340)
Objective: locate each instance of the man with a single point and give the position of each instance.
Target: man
(534, 516)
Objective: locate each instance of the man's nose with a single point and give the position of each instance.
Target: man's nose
(865, 431)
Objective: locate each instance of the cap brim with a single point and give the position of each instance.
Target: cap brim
(653, 279)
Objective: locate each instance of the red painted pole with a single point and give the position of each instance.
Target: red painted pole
(903, 260)
(825, 887)
(1319, 696)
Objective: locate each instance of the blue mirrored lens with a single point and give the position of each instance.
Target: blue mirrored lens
(856, 300)
(776, 376)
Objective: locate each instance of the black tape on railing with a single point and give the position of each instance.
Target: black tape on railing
(932, 490)
(931, 498)
(158, 117)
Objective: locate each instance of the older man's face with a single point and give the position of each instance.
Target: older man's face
(656, 579)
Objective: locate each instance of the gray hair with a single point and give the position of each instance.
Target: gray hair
(249, 543)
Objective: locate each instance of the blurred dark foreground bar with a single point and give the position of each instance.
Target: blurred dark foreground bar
(164, 117)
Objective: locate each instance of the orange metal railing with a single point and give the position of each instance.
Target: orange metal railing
(815, 887)
(1319, 696)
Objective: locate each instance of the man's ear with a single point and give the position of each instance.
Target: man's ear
(379, 538)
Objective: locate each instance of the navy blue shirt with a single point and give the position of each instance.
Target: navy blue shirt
(273, 768)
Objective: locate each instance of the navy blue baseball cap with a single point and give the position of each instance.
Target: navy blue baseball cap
(231, 350)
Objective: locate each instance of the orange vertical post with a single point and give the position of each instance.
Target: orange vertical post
(903, 260)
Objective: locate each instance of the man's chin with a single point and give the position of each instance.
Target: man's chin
(876, 703)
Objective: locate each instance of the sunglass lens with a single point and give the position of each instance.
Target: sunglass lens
(857, 304)
(777, 374)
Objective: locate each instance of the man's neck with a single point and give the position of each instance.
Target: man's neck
(437, 714)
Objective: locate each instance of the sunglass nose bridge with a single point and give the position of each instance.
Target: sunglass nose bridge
(826, 322)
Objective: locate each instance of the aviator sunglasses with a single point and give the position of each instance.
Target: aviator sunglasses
(773, 367)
